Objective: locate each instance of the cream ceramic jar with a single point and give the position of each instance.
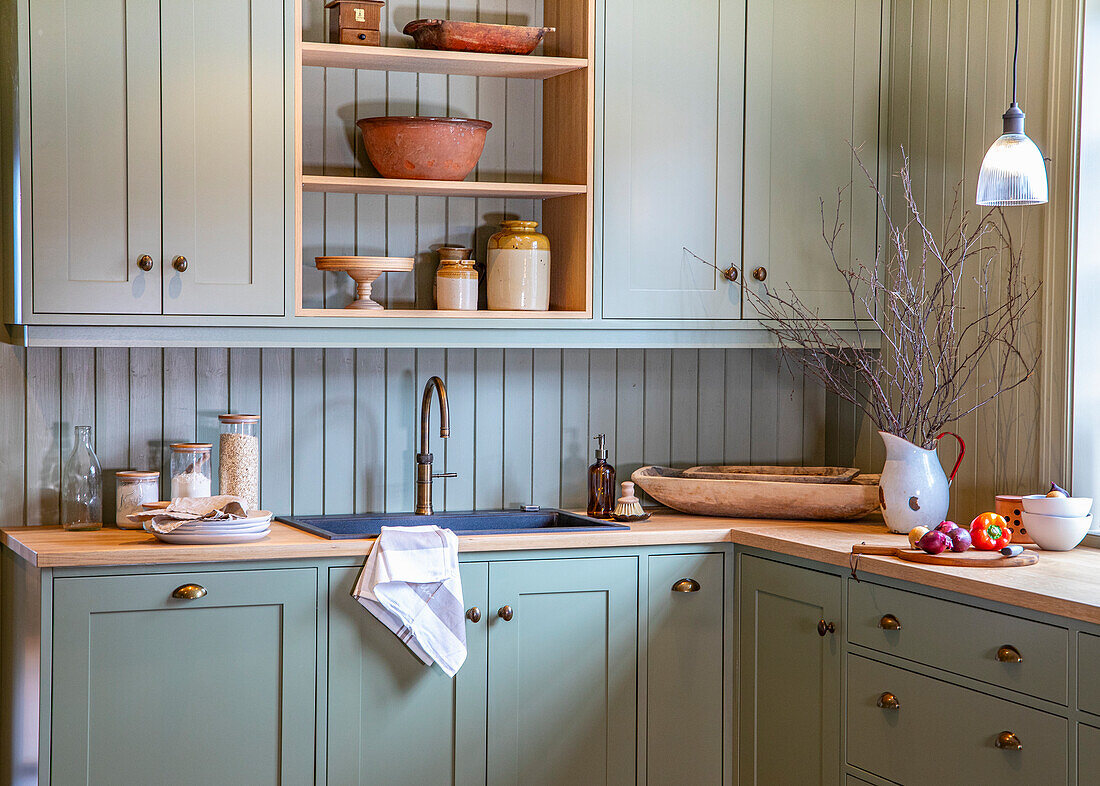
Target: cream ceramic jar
(518, 269)
(456, 280)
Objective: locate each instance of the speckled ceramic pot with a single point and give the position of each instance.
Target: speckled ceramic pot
(518, 269)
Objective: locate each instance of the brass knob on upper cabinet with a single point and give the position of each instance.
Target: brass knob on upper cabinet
(145, 262)
(686, 585)
(1008, 741)
(180, 264)
(473, 614)
(824, 627)
(189, 591)
(731, 273)
(1009, 654)
(760, 273)
(889, 622)
(505, 613)
(888, 701)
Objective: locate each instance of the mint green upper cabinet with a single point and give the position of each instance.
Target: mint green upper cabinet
(391, 719)
(95, 156)
(148, 688)
(563, 671)
(685, 688)
(790, 700)
(812, 85)
(224, 166)
(671, 180)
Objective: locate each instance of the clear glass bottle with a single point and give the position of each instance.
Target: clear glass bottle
(133, 488)
(601, 482)
(239, 458)
(82, 485)
(190, 468)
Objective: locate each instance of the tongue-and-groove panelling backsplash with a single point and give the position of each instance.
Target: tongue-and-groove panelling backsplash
(338, 425)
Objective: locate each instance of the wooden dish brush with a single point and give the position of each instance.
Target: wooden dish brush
(628, 508)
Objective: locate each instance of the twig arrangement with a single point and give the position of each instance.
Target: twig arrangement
(932, 346)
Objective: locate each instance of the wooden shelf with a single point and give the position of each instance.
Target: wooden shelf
(449, 188)
(419, 313)
(427, 61)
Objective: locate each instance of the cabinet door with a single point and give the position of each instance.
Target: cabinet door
(1088, 753)
(224, 168)
(790, 710)
(563, 671)
(812, 85)
(685, 686)
(671, 180)
(95, 156)
(383, 702)
(148, 688)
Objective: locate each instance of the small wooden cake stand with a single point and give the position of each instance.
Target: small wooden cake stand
(365, 271)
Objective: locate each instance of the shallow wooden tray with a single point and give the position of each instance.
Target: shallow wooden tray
(759, 499)
(779, 474)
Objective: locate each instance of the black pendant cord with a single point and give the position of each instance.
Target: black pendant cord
(1016, 53)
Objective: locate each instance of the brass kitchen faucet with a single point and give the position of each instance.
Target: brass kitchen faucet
(424, 458)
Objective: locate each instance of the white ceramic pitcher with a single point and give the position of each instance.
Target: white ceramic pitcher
(913, 489)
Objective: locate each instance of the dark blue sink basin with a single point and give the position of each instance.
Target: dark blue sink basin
(474, 522)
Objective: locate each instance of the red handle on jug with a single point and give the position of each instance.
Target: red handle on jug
(962, 452)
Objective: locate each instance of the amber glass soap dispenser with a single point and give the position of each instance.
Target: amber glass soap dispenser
(601, 482)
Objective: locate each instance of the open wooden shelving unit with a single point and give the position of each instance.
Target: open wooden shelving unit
(568, 112)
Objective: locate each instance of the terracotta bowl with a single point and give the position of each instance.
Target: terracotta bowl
(424, 148)
(475, 36)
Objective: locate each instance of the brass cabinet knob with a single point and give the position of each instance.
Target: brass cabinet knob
(686, 585)
(505, 613)
(760, 273)
(189, 591)
(824, 627)
(473, 614)
(731, 273)
(888, 701)
(145, 262)
(889, 622)
(180, 264)
(1008, 741)
(1009, 654)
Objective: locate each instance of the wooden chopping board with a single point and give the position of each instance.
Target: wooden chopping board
(967, 559)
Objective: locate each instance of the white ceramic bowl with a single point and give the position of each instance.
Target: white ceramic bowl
(1056, 533)
(1073, 507)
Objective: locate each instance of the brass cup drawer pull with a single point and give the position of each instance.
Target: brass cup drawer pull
(473, 614)
(189, 591)
(686, 585)
(888, 701)
(505, 613)
(889, 622)
(1007, 741)
(145, 262)
(1009, 654)
(824, 627)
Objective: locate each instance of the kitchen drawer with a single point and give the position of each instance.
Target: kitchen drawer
(1088, 754)
(942, 733)
(962, 639)
(1088, 666)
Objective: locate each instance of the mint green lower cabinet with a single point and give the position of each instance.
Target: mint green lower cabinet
(1088, 754)
(1088, 666)
(965, 724)
(790, 699)
(684, 690)
(391, 719)
(563, 671)
(156, 690)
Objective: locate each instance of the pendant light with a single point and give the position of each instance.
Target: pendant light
(1013, 170)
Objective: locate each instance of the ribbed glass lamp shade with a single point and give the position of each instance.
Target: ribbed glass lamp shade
(1013, 173)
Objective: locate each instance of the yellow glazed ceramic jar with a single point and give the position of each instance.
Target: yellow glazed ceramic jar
(455, 280)
(518, 269)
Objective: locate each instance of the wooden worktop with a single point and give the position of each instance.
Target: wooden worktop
(1062, 583)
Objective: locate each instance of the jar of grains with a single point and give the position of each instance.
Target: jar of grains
(133, 488)
(190, 468)
(239, 458)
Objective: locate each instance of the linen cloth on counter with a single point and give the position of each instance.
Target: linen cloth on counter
(410, 582)
(185, 510)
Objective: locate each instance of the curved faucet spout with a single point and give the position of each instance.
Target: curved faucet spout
(424, 457)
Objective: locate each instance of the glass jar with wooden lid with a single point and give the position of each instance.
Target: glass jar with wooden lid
(134, 488)
(239, 458)
(190, 468)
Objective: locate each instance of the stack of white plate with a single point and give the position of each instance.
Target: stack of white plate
(256, 526)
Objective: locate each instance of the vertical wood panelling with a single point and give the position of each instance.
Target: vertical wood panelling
(338, 426)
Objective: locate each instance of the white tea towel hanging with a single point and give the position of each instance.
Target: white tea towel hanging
(411, 584)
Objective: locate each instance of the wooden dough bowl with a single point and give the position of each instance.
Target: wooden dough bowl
(759, 499)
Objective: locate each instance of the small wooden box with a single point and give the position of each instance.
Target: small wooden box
(355, 22)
